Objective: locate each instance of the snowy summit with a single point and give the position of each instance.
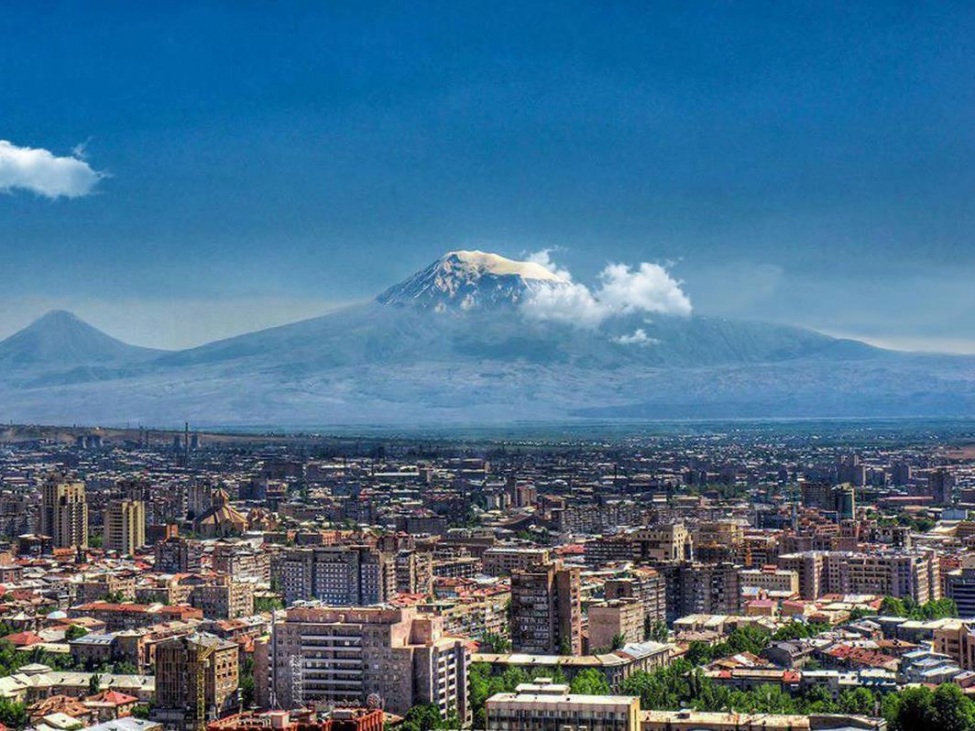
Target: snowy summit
(468, 279)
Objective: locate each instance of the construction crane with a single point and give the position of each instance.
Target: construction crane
(202, 654)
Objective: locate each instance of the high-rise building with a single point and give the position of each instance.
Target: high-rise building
(393, 657)
(125, 526)
(336, 575)
(941, 484)
(196, 681)
(64, 513)
(546, 610)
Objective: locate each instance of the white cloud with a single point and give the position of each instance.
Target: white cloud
(41, 172)
(622, 290)
(544, 258)
(638, 337)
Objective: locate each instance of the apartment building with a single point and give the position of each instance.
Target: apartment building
(645, 585)
(546, 610)
(665, 543)
(223, 598)
(771, 579)
(614, 623)
(502, 560)
(915, 574)
(125, 526)
(64, 513)
(242, 561)
(176, 554)
(196, 681)
(345, 656)
(547, 706)
(335, 575)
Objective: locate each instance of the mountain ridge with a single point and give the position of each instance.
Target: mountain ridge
(452, 344)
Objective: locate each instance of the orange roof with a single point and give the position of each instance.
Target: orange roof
(24, 639)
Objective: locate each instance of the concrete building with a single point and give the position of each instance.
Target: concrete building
(196, 681)
(956, 639)
(886, 573)
(336, 575)
(769, 578)
(502, 560)
(242, 561)
(546, 706)
(546, 610)
(64, 513)
(223, 598)
(644, 584)
(960, 587)
(614, 623)
(125, 526)
(700, 588)
(665, 543)
(177, 555)
(345, 656)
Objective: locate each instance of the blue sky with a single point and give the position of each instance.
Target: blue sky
(808, 163)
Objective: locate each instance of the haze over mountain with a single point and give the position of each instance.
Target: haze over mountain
(475, 338)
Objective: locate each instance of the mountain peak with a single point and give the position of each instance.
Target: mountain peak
(470, 279)
(61, 337)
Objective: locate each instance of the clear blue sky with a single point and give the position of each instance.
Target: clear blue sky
(804, 162)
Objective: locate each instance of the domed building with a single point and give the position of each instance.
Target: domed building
(222, 519)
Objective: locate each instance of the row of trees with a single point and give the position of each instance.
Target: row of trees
(682, 685)
(907, 607)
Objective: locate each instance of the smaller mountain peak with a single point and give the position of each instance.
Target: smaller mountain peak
(54, 317)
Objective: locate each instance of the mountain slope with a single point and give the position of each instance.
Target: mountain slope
(452, 344)
(59, 339)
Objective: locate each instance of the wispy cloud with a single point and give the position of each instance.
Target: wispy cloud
(637, 337)
(43, 173)
(622, 290)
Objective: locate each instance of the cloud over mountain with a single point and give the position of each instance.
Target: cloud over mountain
(622, 290)
(43, 173)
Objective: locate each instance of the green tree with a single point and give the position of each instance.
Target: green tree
(246, 682)
(590, 682)
(495, 643)
(951, 709)
(267, 604)
(618, 642)
(912, 709)
(858, 701)
(424, 717)
(94, 684)
(13, 714)
(698, 653)
(74, 632)
(655, 630)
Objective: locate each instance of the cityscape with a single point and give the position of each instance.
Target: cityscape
(487, 366)
(749, 577)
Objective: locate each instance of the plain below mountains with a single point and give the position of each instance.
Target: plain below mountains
(452, 345)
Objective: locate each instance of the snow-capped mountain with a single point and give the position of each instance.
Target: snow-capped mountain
(451, 344)
(470, 280)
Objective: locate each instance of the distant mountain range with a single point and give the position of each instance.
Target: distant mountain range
(452, 344)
